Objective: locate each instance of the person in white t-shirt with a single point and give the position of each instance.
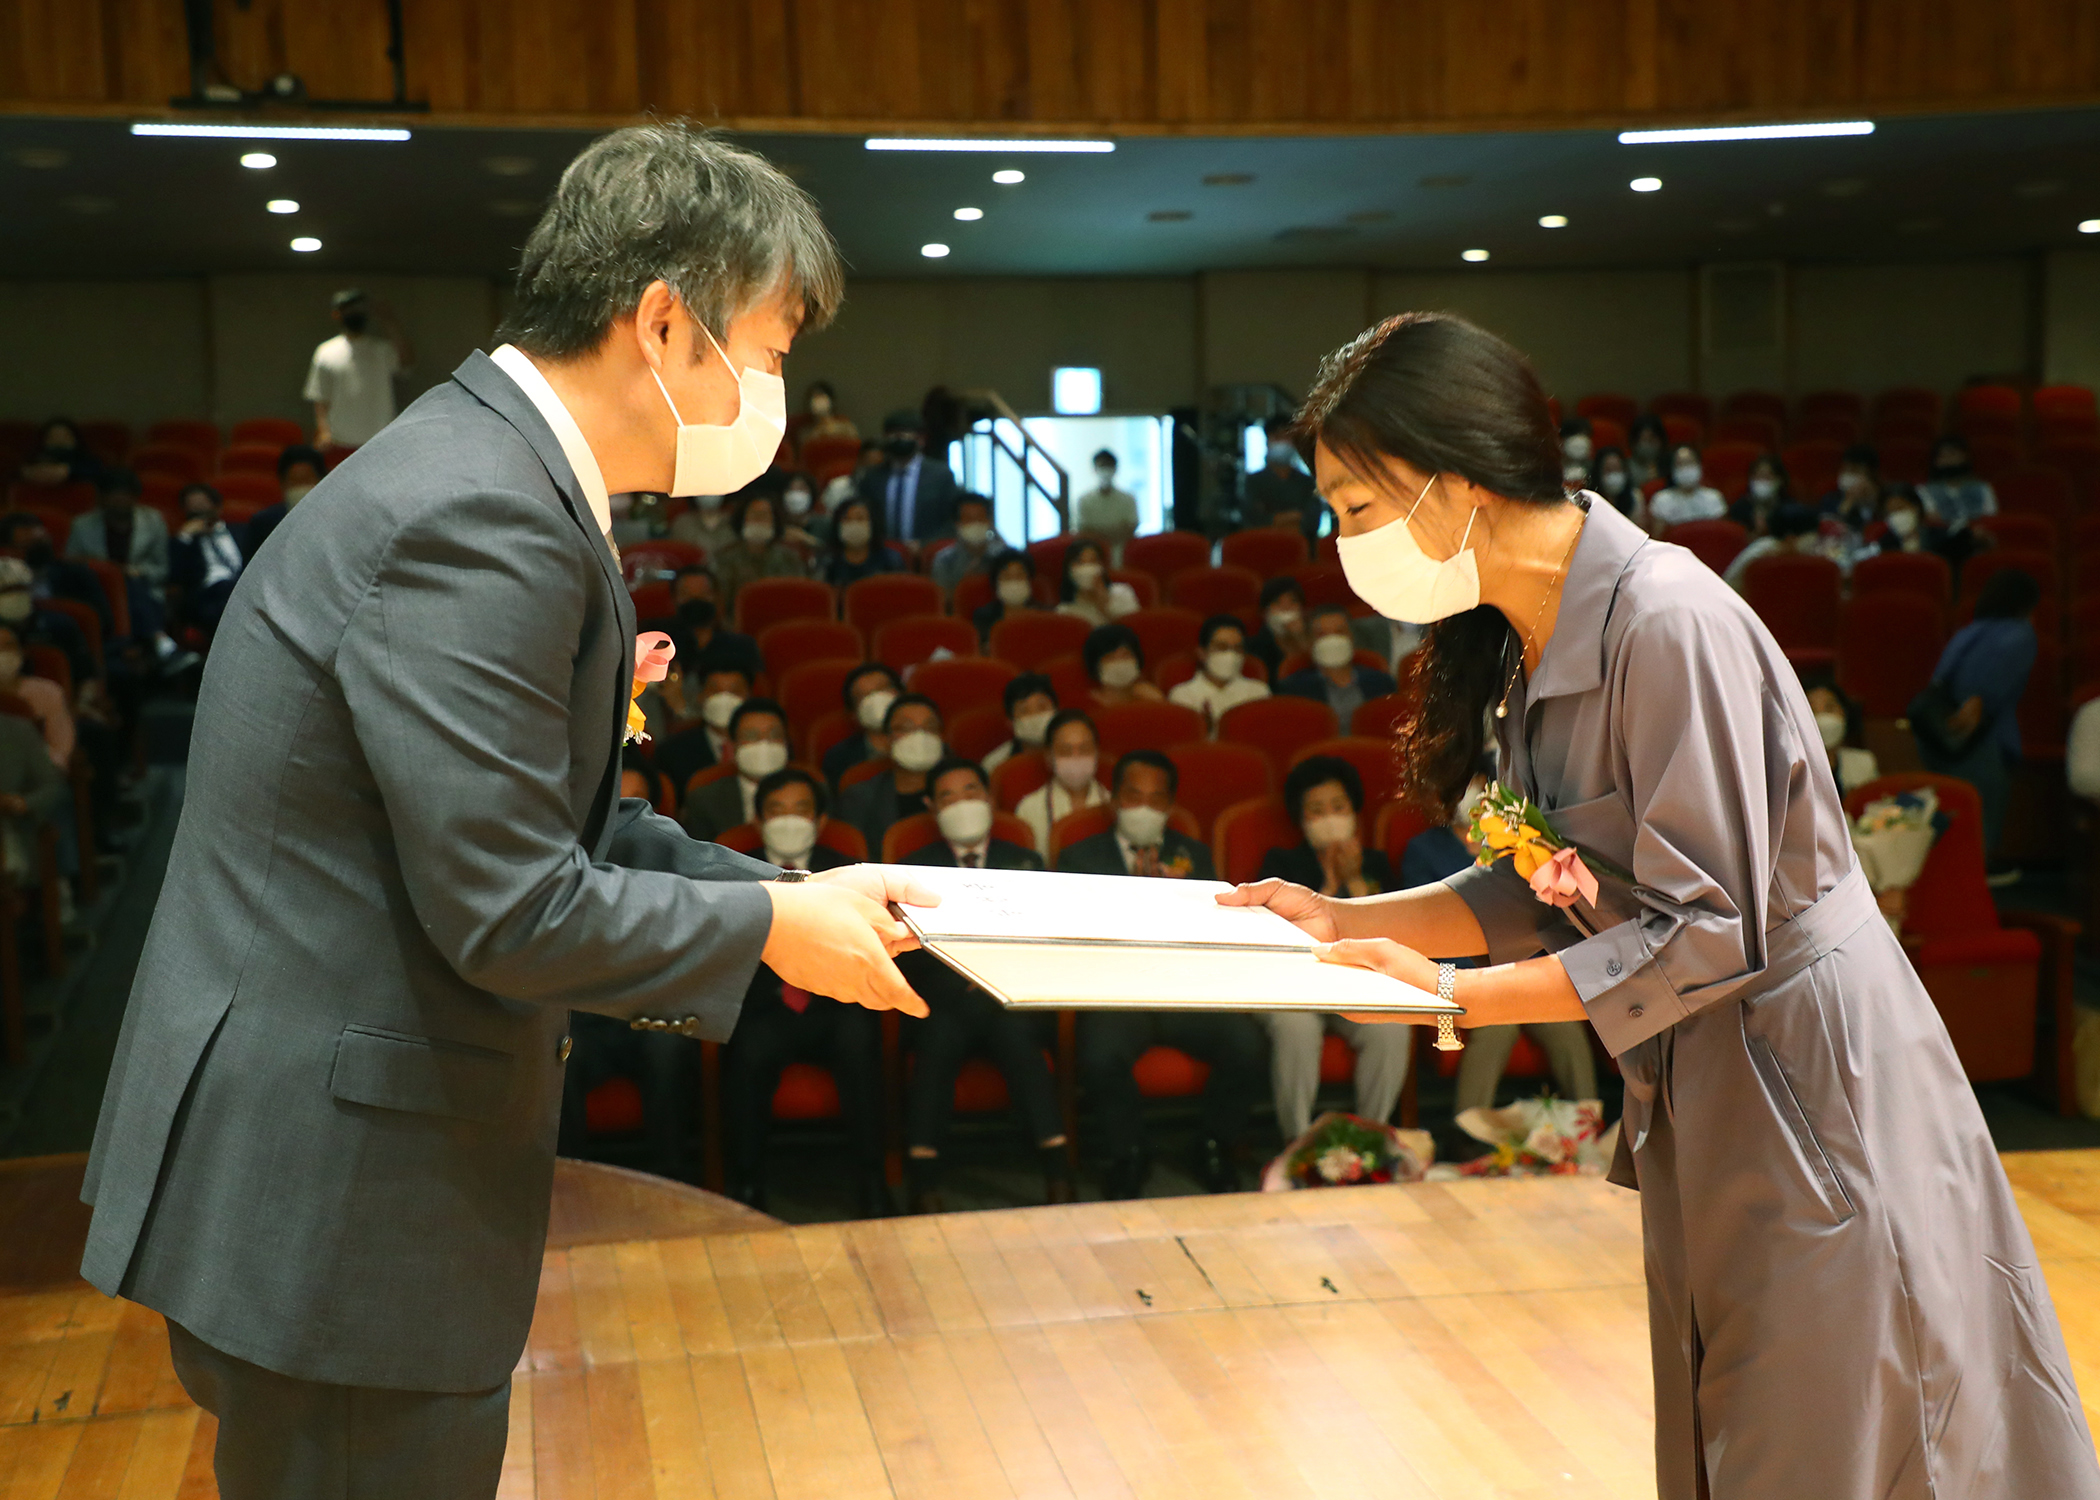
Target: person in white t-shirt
(351, 379)
(1687, 497)
(1075, 777)
(1107, 513)
(1219, 684)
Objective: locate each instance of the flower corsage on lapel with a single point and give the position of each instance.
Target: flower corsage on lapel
(1506, 823)
(652, 663)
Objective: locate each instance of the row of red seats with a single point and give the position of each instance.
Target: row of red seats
(1762, 417)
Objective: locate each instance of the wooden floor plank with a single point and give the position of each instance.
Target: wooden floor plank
(160, 1456)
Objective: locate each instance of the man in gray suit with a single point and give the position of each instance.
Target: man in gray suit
(326, 1149)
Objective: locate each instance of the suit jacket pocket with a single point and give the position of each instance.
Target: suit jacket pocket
(420, 1074)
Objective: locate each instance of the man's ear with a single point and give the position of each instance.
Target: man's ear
(654, 315)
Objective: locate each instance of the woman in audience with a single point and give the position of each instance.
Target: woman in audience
(1220, 683)
(1115, 662)
(1648, 444)
(1088, 591)
(1767, 490)
(706, 524)
(758, 551)
(1856, 498)
(1075, 777)
(857, 550)
(799, 521)
(1612, 478)
(1578, 451)
(1839, 722)
(1984, 669)
(1901, 527)
(1325, 797)
(1687, 497)
(1282, 634)
(1013, 591)
(1031, 703)
(60, 456)
(819, 417)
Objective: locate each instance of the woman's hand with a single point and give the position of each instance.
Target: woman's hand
(1307, 910)
(1383, 956)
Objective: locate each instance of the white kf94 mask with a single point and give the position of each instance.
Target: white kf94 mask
(721, 460)
(1390, 572)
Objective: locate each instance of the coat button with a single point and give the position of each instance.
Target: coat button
(1614, 968)
(1634, 1012)
(561, 1053)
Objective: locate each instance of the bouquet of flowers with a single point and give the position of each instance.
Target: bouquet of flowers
(1892, 836)
(1542, 1137)
(1343, 1150)
(1509, 823)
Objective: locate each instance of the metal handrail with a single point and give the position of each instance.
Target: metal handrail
(988, 409)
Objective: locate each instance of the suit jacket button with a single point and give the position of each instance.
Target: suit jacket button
(561, 1053)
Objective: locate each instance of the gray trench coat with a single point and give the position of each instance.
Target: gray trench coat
(1843, 1299)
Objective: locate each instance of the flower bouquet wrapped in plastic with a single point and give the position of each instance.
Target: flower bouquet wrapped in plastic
(1892, 836)
(1344, 1150)
(1542, 1137)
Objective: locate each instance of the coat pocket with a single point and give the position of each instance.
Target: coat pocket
(420, 1075)
(1837, 1203)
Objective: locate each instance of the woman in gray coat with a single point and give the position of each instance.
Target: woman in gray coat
(1843, 1299)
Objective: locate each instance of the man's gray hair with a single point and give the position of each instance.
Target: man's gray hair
(723, 227)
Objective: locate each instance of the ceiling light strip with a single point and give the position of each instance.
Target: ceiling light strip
(929, 143)
(275, 132)
(1745, 133)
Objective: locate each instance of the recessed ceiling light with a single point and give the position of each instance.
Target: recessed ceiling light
(283, 205)
(934, 251)
(258, 161)
(1473, 255)
(276, 132)
(1553, 221)
(1646, 184)
(1746, 132)
(1008, 176)
(969, 215)
(306, 244)
(1004, 147)
(2089, 226)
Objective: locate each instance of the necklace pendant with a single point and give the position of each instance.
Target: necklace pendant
(1502, 709)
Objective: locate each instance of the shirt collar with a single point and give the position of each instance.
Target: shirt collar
(512, 361)
(982, 849)
(1573, 661)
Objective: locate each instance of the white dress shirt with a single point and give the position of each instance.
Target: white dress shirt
(512, 361)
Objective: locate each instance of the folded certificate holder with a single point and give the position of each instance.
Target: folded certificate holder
(1105, 942)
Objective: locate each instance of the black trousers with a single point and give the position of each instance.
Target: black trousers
(963, 1022)
(665, 1067)
(1111, 1041)
(282, 1438)
(847, 1039)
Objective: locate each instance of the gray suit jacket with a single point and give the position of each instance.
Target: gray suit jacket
(328, 1137)
(89, 537)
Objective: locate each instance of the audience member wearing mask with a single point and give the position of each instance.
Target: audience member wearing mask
(1437, 854)
(758, 551)
(1282, 633)
(60, 457)
(1107, 514)
(299, 469)
(800, 525)
(1013, 591)
(36, 626)
(819, 417)
(962, 1021)
(1953, 497)
(1325, 796)
(1984, 669)
(697, 613)
(1612, 477)
(204, 560)
(1648, 449)
(1280, 493)
(1115, 663)
(1087, 591)
(758, 746)
(1839, 722)
(707, 525)
(1790, 528)
(351, 379)
(1687, 497)
(1578, 453)
(779, 1025)
(1110, 1042)
(1074, 753)
(1031, 703)
(1903, 526)
(912, 494)
(911, 740)
(976, 543)
(1855, 500)
(867, 694)
(133, 538)
(713, 684)
(45, 699)
(1220, 684)
(1335, 677)
(1766, 490)
(857, 549)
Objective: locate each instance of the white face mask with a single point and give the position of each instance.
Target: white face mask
(973, 533)
(1390, 572)
(1613, 483)
(796, 502)
(966, 822)
(1686, 476)
(819, 404)
(718, 709)
(1142, 827)
(1832, 728)
(1333, 651)
(874, 708)
(1106, 475)
(1904, 523)
(1120, 672)
(1033, 729)
(294, 493)
(917, 751)
(1282, 621)
(1085, 575)
(1015, 592)
(758, 533)
(790, 838)
(1223, 666)
(1329, 829)
(717, 460)
(1762, 488)
(855, 533)
(1074, 772)
(760, 759)
(1576, 446)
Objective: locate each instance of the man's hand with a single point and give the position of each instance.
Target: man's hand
(1306, 909)
(882, 884)
(830, 939)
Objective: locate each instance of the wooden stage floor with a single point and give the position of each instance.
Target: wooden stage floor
(1478, 1339)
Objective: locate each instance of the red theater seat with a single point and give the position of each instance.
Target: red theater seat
(768, 601)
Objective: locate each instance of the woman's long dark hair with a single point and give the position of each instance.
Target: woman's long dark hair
(1444, 397)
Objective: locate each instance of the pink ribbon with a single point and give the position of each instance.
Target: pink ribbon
(1562, 878)
(652, 656)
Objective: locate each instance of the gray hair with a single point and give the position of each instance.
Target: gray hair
(666, 201)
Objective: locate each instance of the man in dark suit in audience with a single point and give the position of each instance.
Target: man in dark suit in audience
(914, 492)
(911, 736)
(868, 694)
(962, 1020)
(1111, 1041)
(758, 744)
(1335, 678)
